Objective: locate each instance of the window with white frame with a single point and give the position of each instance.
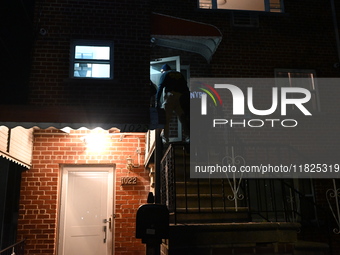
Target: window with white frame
(302, 79)
(244, 5)
(91, 59)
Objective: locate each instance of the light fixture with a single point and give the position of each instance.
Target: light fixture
(130, 165)
(94, 142)
(221, 2)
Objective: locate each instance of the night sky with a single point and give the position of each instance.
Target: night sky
(16, 40)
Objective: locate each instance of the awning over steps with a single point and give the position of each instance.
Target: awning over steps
(186, 35)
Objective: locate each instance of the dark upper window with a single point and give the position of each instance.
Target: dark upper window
(244, 5)
(300, 78)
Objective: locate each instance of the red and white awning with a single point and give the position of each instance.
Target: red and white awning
(186, 35)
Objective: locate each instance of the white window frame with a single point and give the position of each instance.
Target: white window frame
(73, 59)
(314, 91)
(213, 5)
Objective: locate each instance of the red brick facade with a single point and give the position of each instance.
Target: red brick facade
(301, 38)
(124, 24)
(297, 39)
(40, 193)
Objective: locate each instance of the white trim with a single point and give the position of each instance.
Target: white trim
(178, 68)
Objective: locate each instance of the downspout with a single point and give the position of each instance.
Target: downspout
(336, 31)
(138, 149)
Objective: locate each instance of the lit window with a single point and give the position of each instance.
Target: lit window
(302, 79)
(245, 5)
(91, 60)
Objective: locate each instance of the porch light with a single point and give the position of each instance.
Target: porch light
(94, 142)
(129, 162)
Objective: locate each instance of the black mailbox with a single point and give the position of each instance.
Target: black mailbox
(152, 222)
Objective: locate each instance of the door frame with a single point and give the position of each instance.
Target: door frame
(185, 70)
(64, 169)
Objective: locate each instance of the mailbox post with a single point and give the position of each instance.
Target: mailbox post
(152, 225)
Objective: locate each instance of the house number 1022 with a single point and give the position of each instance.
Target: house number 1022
(129, 180)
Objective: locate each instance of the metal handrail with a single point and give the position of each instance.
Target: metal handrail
(271, 200)
(290, 197)
(14, 248)
(205, 189)
(281, 206)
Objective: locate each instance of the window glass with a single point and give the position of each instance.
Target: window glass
(92, 52)
(299, 78)
(91, 60)
(245, 5)
(91, 70)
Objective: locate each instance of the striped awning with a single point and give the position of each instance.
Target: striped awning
(187, 35)
(59, 117)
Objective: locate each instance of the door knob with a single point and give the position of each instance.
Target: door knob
(108, 221)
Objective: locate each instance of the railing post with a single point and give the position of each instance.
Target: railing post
(158, 158)
(334, 193)
(234, 183)
(267, 5)
(214, 4)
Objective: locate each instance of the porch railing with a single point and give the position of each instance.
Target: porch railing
(15, 249)
(272, 200)
(277, 200)
(184, 195)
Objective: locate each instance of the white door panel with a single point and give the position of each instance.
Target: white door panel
(86, 203)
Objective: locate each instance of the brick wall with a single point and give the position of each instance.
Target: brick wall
(40, 193)
(297, 39)
(300, 38)
(125, 24)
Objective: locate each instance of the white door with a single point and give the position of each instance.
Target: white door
(86, 214)
(156, 65)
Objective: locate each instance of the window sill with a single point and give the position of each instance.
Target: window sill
(90, 80)
(242, 11)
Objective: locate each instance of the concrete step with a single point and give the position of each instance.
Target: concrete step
(204, 200)
(239, 238)
(232, 238)
(310, 248)
(210, 215)
(203, 187)
(190, 218)
(209, 209)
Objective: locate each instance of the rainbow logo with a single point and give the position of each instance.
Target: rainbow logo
(212, 93)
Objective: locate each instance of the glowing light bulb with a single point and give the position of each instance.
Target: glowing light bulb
(95, 142)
